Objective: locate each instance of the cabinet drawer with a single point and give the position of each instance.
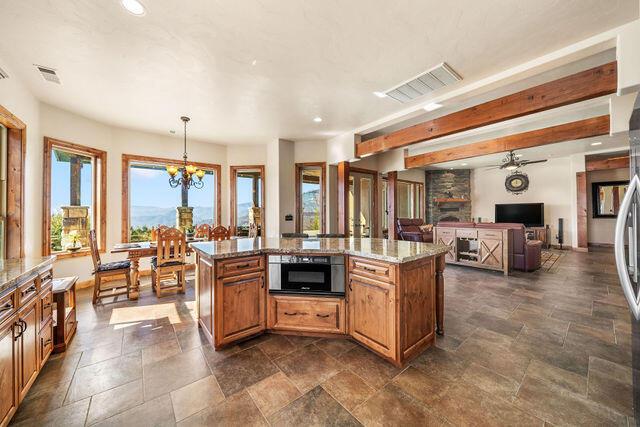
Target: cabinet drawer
(70, 323)
(27, 290)
(237, 266)
(468, 234)
(374, 269)
(490, 234)
(445, 232)
(46, 342)
(7, 305)
(307, 314)
(46, 305)
(46, 277)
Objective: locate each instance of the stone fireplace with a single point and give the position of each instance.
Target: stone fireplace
(448, 195)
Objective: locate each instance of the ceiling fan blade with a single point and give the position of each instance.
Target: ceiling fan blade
(530, 162)
(493, 167)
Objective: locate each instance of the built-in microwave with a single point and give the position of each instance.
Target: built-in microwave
(301, 274)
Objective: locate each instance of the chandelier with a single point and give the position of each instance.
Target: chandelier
(185, 176)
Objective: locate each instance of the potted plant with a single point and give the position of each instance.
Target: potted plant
(190, 232)
(75, 241)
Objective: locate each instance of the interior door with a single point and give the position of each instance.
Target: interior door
(360, 204)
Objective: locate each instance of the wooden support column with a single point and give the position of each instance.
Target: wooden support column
(581, 220)
(74, 180)
(14, 232)
(392, 204)
(343, 198)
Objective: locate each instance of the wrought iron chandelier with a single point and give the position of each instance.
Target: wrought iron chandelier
(185, 176)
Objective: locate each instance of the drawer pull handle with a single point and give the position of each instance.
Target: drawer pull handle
(242, 266)
(8, 306)
(295, 313)
(48, 305)
(47, 342)
(29, 290)
(372, 270)
(323, 315)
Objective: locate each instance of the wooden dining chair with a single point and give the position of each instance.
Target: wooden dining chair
(169, 262)
(219, 233)
(109, 269)
(155, 232)
(203, 231)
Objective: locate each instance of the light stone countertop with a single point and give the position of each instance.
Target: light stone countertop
(13, 271)
(396, 251)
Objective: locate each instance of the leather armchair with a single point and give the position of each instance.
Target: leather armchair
(409, 229)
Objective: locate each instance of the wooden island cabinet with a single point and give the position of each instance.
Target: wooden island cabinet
(26, 329)
(392, 304)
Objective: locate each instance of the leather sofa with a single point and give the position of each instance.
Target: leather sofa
(524, 255)
(409, 229)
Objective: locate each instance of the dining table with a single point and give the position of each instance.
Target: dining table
(135, 252)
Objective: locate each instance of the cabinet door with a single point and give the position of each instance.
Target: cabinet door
(447, 237)
(205, 287)
(8, 371)
(240, 307)
(372, 314)
(491, 252)
(28, 347)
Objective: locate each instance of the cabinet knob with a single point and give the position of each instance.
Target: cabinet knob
(291, 314)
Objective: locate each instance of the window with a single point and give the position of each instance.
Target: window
(310, 198)
(75, 197)
(410, 200)
(149, 201)
(247, 199)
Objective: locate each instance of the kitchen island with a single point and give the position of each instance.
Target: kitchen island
(393, 299)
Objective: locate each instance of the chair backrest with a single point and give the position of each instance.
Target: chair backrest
(172, 246)
(329, 235)
(253, 230)
(155, 232)
(411, 225)
(219, 233)
(95, 254)
(294, 235)
(203, 231)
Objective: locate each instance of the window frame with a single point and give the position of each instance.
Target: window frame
(299, 167)
(421, 208)
(127, 159)
(99, 195)
(232, 196)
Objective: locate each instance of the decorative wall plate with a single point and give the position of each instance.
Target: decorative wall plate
(517, 182)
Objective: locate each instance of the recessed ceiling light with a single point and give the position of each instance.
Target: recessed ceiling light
(450, 169)
(463, 164)
(254, 62)
(380, 94)
(134, 7)
(596, 143)
(317, 119)
(432, 106)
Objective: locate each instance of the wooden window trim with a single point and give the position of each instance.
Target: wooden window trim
(232, 196)
(127, 159)
(99, 197)
(323, 197)
(14, 221)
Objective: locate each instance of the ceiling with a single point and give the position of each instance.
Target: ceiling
(254, 70)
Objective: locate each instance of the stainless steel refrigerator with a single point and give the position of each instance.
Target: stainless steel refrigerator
(627, 252)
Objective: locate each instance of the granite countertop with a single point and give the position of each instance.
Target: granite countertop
(396, 251)
(12, 271)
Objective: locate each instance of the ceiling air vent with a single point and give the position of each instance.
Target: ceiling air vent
(435, 78)
(3, 74)
(49, 74)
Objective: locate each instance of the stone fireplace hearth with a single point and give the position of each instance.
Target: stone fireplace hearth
(448, 194)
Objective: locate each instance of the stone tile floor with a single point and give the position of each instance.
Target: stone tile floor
(531, 349)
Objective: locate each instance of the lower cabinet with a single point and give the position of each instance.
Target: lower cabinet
(306, 314)
(8, 371)
(372, 313)
(239, 306)
(28, 346)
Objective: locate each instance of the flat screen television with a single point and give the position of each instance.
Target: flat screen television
(529, 214)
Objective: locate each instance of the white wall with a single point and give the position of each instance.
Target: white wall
(16, 98)
(550, 183)
(601, 230)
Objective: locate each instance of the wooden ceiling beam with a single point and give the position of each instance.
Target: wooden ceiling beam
(596, 164)
(589, 84)
(595, 126)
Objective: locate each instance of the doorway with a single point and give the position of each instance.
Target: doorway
(363, 194)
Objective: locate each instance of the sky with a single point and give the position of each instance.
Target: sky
(60, 173)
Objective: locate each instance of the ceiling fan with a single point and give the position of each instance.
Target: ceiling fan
(512, 162)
